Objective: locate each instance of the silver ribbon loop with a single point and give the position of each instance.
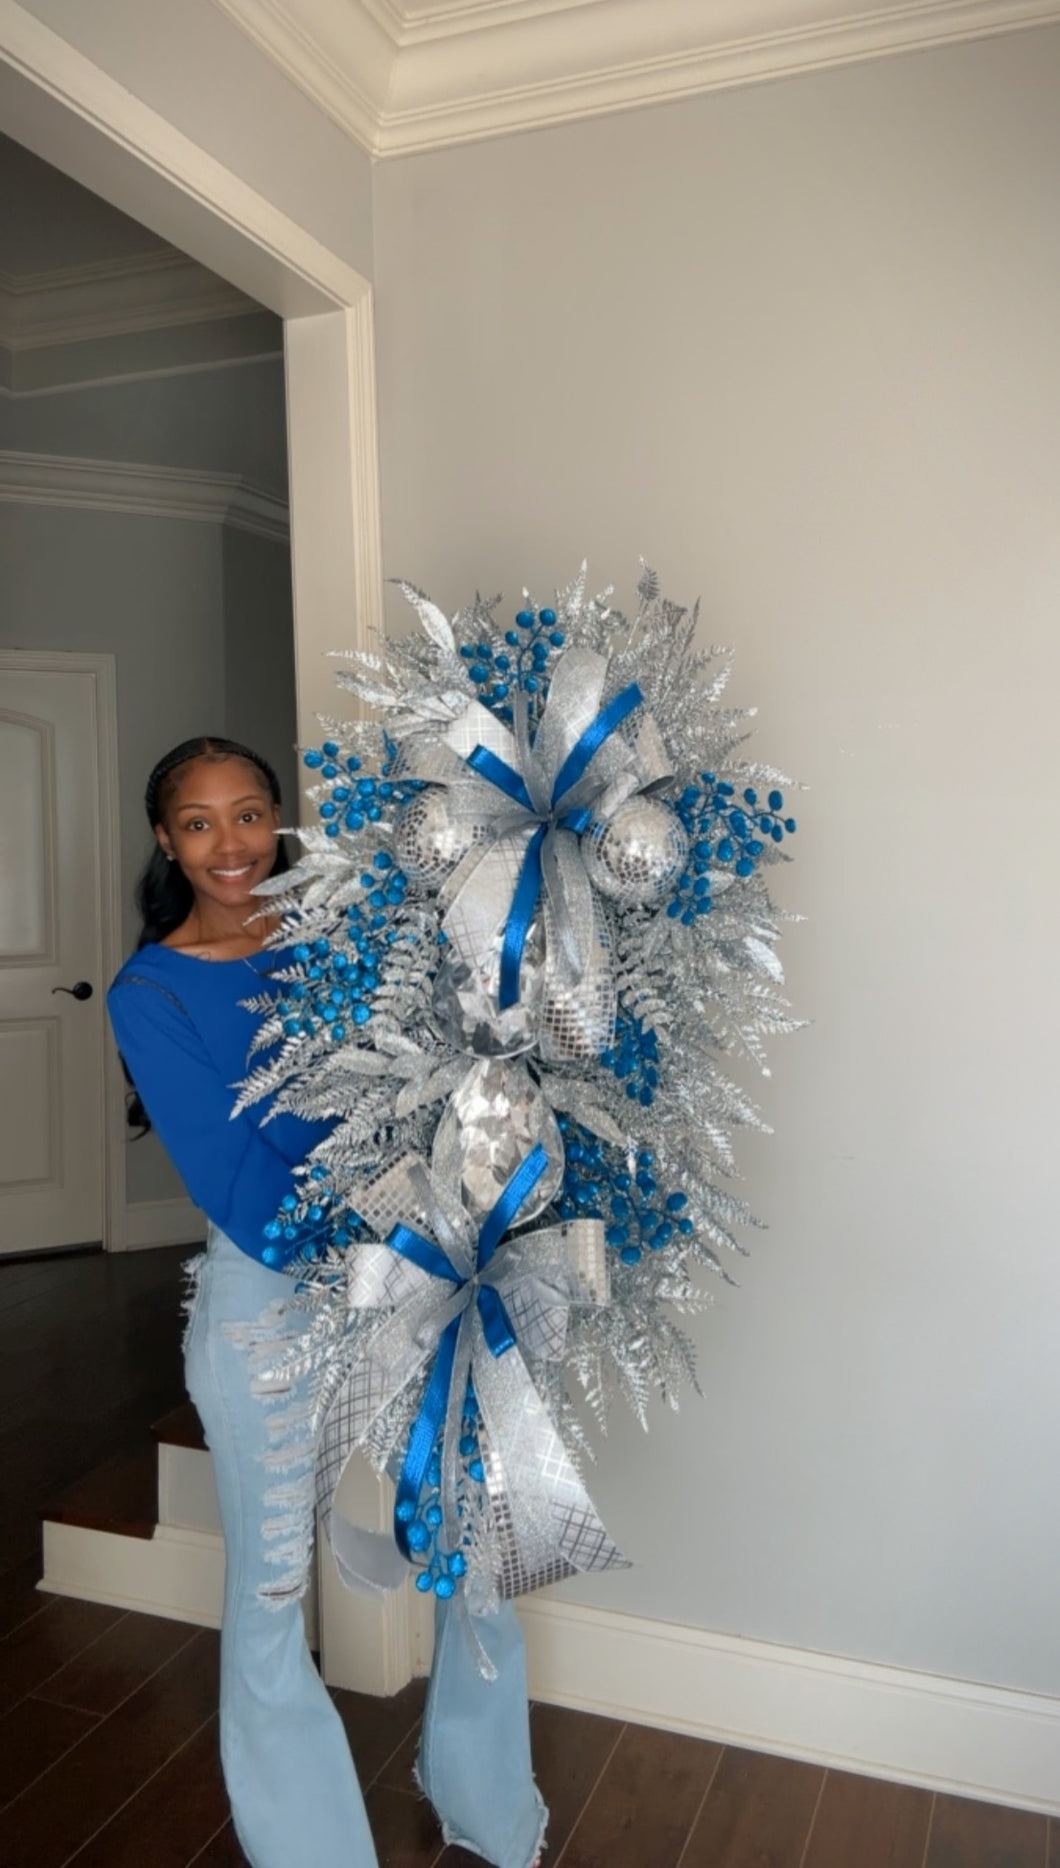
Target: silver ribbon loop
(541, 1523)
(478, 895)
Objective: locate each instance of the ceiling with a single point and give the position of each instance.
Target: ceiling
(49, 223)
(405, 75)
(88, 295)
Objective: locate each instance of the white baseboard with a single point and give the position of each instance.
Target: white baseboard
(179, 1573)
(162, 1222)
(916, 1728)
(977, 1741)
(176, 1573)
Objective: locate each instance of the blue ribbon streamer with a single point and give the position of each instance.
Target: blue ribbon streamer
(528, 888)
(593, 738)
(422, 1436)
(423, 1252)
(520, 914)
(490, 766)
(497, 1328)
(513, 1195)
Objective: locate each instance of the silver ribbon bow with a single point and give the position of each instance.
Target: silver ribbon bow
(478, 894)
(541, 1524)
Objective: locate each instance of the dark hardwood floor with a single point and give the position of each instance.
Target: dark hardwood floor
(108, 1740)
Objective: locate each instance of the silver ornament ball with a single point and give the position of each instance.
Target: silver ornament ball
(637, 855)
(428, 842)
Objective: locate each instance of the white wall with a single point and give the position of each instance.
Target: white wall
(259, 654)
(798, 345)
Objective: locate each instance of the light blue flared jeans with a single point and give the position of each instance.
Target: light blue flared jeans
(296, 1801)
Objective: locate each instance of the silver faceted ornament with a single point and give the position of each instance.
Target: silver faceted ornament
(428, 841)
(637, 855)
(490, 1124)
(464, 1001)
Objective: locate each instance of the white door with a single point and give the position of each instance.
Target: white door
(51, 1042)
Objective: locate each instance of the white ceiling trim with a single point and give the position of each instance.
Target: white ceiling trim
(88, 485)
(410, 21)
(57, 384)
(113, 298)
(401, 78)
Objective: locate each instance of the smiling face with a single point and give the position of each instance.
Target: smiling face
(219, 824)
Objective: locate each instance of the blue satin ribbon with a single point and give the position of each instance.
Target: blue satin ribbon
(497, 1328)
(528, 887)
(520, 914)
(491, 766)
(593, 738)
(514, 1195)
(422, 1436)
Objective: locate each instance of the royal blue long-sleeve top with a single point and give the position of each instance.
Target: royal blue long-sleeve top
(185, 1035)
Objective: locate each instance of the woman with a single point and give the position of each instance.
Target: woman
(184, 1032)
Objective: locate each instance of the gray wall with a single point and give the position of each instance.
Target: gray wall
(149, 592)
(230, 419)
(197, 615)
(797, 345)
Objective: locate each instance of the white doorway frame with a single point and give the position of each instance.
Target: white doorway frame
(102, 670)
(75, 116)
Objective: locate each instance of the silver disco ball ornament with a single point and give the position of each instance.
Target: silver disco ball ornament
(637, 855)
(427, 841)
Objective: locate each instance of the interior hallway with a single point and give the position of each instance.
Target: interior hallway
(108, 1745)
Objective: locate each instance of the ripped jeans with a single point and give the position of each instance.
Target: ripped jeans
(291, 1782)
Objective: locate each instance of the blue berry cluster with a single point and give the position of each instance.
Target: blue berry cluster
(522, 662)
(439, 1570)
(724, 832)
(355, 797)
(340, 977)
(633, 1055)
(306, 1227)
(600, 1183)
(337, 983)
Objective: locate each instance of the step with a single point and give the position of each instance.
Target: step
(180, 1427)
(119, 1496)
(142, 1531)
(186, 1492)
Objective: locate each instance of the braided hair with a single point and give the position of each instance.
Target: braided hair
(164, 896)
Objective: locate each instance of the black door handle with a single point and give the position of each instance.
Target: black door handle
(82, 990)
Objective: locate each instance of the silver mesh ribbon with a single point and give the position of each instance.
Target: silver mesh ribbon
(540, 1523)
(491, 831)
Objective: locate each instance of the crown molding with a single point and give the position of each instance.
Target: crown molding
(96, 378)
(69, 110)
(113, 298)
(87, 485)
(416, 23)
(401, 78)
